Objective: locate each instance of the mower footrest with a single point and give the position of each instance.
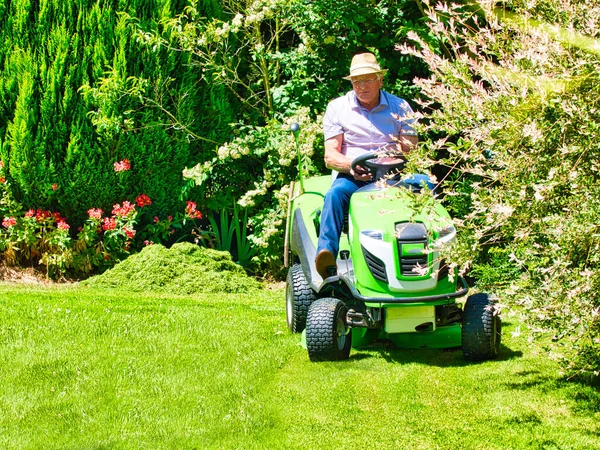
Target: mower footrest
(358, 319)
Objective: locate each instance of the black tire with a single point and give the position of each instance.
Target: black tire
(298, 297)
(328, 337)
(481, 329)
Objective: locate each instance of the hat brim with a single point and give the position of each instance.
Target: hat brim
(365, 71)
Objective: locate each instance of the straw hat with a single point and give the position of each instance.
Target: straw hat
(364, 64)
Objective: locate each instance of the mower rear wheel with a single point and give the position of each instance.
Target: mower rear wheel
(481, 329)
(298, 297)
(328, 337)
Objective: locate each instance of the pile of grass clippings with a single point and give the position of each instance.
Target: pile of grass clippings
(183, 269)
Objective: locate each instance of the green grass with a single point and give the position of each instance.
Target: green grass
(89, 369)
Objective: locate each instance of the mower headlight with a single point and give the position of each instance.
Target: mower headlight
(373, 234)
(446, 234)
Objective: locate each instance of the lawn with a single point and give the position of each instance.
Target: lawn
(89, 369)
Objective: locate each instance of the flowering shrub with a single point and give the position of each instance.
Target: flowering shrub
(44, 237)
(518, 122)
(265, 204)
(39, 236)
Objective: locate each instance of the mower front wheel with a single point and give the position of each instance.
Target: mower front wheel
(298, 297)
(481, 329)
(328, 337)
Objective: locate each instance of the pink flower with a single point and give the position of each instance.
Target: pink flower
(122, 166)
(143, 200)
(30, 213)
(156, 219)
(109, 223)
(95, 213)
(62, 225)
(147, 242)
(9, 222)
(190, 211)
(123, 211)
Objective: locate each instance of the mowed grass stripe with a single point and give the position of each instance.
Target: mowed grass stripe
(83, 368)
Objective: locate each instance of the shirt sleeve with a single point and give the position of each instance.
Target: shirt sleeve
(331, 123)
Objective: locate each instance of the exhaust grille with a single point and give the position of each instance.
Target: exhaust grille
(376, 266)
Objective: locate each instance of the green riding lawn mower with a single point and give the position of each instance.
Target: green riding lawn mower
(391, 283)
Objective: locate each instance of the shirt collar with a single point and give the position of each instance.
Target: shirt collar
(383, 101)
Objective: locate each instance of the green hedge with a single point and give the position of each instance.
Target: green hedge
(59, 142)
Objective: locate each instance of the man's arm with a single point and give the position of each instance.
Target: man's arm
(407, 142)
(336, 160)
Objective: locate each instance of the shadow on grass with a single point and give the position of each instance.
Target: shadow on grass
(582, 395)
(451, 357)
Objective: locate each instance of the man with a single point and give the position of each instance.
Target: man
(366, 119)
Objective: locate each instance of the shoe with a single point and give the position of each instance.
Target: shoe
(326, 264)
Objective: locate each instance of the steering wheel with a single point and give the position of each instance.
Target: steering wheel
(379, 167)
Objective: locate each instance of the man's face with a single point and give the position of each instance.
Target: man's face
(366, 88)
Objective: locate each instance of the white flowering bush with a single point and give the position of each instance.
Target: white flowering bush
(516, 124)
(260, 163)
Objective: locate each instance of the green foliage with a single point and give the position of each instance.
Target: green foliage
(185, 268)
(276, 57)
(226, 230)
(518, 119)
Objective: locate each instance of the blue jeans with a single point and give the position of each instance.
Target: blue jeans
(337, 204)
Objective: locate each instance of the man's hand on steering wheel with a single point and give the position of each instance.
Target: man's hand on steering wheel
(361, 173)
(371, 166)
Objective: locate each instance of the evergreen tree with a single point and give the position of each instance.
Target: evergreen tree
(65, 71)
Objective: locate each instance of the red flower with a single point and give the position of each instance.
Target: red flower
(2, 180)
(58, 217)
(122, 166)
(9, 222)
(156, 219)
(190, 211)
(95, 213)
(143, 200)
(129, 233)
(62, 225)
(109, 223)
(54, 186)
(42, 215)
